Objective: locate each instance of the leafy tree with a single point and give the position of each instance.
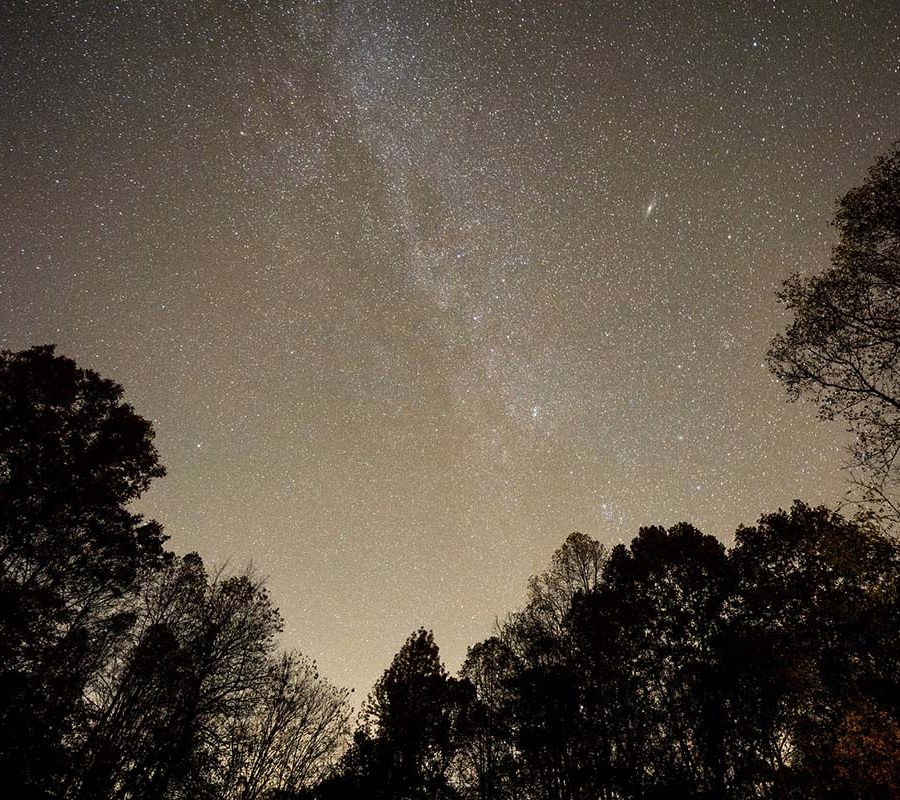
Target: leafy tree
(125, 672)
(544, 717)
(197, 705)
(687, 670)
(72, 457)
(136, 704)
(842, 349)
(650, 675)
(536, 632)
(407, 743)
(486, 762)
(816, 597)
(867, 754)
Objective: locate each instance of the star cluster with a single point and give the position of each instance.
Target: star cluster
(412, 290)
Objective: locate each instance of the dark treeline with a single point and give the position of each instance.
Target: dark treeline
(126, 672)
(671, 668)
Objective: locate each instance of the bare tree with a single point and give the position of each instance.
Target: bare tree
(293, 736)
(200, 658)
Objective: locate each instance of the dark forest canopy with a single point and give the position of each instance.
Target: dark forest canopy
(673, 667)
(126, 672)
(682, 670)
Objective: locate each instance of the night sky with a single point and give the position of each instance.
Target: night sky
(411, 291)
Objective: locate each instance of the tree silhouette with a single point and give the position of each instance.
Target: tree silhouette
(198, 704)
(486, 761)
(688, 670)
(672, 667)
(126, 672)
(224, 629)
(842, 349)
(407, 743)
(535, 631)
(817, 597)
(547, 721)
(289, 739)
(652, 682)
(72, 456)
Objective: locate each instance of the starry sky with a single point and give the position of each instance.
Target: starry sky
(412, 290)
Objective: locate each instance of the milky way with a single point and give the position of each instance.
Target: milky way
(411, 290)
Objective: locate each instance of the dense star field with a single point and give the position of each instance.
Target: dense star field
(412, 290)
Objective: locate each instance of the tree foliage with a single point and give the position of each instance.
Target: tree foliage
(842, 349)
(408, 738)
(72, 456)
(673, 667)
(126, 672)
